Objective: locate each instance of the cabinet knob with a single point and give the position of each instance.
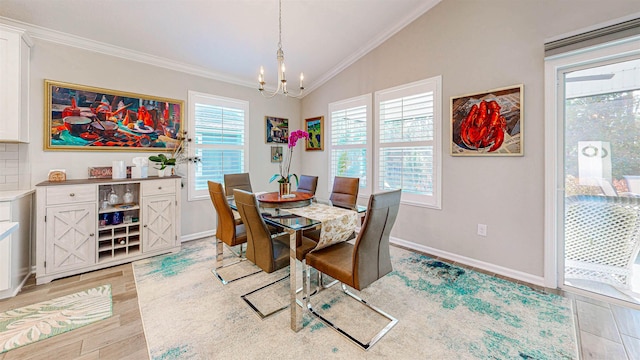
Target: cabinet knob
(159, 187)
(72, 194)
(145, 225)
(92, 234)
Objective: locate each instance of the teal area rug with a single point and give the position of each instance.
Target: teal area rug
(444, 312)
(26, 325)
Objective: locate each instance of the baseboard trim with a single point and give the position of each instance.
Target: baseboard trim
(199, 235)
(514, 274)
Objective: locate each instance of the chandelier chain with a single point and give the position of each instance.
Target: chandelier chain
(280, 24)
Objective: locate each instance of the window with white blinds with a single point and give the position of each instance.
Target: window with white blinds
(407, 128)
(218, 140)
(350, 140)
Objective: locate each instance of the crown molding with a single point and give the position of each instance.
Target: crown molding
(58, 37)
(374, 43)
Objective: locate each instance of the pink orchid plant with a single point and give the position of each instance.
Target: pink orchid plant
(285, 165)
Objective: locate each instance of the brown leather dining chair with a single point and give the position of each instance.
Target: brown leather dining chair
(307, 184)
(229, 231)
(268, 251)
(363, 263)
(345, 192)
(237, 181)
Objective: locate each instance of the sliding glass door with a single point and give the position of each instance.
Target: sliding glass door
(600, 104)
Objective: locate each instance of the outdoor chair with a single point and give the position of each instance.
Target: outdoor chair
(602, 238)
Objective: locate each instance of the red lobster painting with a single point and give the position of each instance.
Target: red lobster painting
(483, 127)
(488, 123)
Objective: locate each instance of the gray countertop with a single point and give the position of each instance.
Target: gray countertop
(10, 195)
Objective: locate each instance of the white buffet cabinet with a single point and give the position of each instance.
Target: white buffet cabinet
(78, 229)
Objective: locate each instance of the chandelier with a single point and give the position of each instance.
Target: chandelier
(282, 80)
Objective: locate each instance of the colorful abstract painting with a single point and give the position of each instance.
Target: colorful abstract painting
(79, 117)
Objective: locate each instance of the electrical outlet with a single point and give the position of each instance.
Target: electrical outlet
(482, 229)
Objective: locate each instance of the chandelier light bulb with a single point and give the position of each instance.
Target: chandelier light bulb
(282, 81)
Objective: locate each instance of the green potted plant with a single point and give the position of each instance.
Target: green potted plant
(163, 161)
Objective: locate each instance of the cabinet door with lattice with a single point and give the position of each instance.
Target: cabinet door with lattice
(70, 233)
(158, 232)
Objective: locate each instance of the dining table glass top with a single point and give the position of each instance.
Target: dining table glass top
(280, 217)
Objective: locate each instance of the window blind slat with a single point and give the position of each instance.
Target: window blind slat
(406, 168)
(408, 118)
(221, 126)
(348, 134)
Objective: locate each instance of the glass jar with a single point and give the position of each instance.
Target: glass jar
(127, 198)
(104, 204)
(114, 199)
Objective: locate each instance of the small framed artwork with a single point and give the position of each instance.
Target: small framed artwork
(277, 129)
(315, 128)
(489, 123)
(276, 154)
(79, 117)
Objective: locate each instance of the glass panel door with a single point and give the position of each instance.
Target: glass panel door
(602, 178)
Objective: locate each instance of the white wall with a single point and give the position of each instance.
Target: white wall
(475, 46)
(61, 63)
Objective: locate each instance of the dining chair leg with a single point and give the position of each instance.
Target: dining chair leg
(219, 250)
(220, 257)
(255, 308)
(365, 346)
(321, 281)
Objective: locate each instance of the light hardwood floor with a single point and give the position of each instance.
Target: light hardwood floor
(119, 337)
(605, 331)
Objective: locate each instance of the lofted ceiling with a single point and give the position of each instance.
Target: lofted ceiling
(222, 39)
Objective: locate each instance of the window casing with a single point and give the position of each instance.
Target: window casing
(349, 139)
(407, 144)
(219, 139)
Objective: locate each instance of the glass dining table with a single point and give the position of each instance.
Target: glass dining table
(293, 224)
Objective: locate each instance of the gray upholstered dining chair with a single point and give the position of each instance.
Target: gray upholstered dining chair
(268, 251)
(237, 181)
(308, 184)
(361, 264)
(229, 230)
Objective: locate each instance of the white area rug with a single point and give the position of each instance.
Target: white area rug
(444, 312)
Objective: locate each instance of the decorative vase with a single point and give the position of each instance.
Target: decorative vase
(161, 172)
(285, 188)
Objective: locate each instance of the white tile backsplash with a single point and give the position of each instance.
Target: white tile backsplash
(9, 171)
(14, 167)
(9, 155)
